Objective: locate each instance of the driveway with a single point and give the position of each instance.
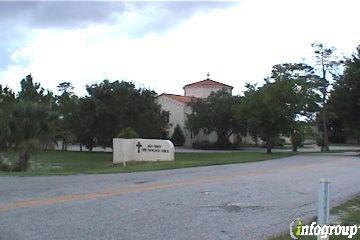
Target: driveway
(306, 149)
(237, 201)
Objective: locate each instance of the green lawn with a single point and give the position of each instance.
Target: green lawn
(349, 213)
(58, 162)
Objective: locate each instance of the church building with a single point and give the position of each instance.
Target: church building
(176, 108)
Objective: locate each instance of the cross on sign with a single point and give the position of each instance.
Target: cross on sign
(138, 146)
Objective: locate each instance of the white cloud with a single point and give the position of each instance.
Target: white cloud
(236, 45)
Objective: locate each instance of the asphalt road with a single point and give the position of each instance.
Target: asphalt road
(238, 201)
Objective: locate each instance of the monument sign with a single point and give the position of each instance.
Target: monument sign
(138, 149)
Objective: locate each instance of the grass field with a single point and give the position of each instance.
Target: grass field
(349, 213)
(59, 163)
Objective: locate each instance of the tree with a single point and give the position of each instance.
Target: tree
(66, 88)
(178, 137)
(288, 95)
(344, 101)
(301, 131)
(327, 64)
(300, 83)
(6, 97)
(84, 128)
(150, 120)
(66, 106)
(33, 92)
(215, 113)
(266, 110)
(128, 133)
(27, 126)
(26, 121)
(111, 107)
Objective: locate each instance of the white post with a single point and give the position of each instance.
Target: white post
(324, 203)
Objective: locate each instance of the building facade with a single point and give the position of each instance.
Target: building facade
(177, 109)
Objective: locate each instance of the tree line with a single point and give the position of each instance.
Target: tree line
(295, 95)
(35, 118)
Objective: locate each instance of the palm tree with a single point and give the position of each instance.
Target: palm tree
(25, 126)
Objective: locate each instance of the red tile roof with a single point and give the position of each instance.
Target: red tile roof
(207, 83)
(183, 99)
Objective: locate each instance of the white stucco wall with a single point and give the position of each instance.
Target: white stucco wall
(176, 110)
(202, 92)
(179, 111)
(178, 115)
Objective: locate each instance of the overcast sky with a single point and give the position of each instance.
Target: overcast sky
(165, 45)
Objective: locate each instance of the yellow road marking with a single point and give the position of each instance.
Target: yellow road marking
(137, 189)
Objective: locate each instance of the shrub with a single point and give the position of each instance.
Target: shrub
(178, 137)
(5, 165)
(279, 141)
(11, 166)
(128, 132)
